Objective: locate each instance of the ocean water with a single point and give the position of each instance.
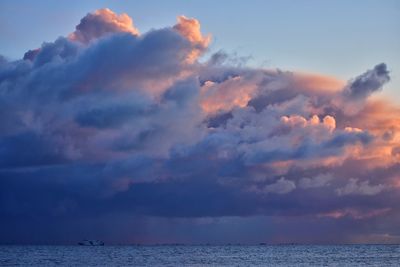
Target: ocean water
(275, 255)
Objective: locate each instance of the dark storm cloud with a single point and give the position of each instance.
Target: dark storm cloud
(109, 125)
(27, 149)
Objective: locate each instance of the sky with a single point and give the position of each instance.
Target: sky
(199, 122)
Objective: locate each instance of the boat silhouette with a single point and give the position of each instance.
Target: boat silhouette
(87, 242)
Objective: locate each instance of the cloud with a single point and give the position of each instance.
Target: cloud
(100, 23)
(190, 29)
(368, 82)
(320, 180)
(360, 188)
(233, 92)
(281, 186)
(356, 214)
(109, 125)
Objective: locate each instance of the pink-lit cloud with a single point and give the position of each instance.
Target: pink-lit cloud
(100, 23)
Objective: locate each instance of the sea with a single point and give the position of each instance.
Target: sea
(202, 255)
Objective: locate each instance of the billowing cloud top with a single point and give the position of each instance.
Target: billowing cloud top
(111, 125)
(101, 22)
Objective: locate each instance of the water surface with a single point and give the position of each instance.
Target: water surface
(276, 255)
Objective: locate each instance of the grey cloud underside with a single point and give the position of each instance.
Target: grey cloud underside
(115, 125)
(368, 82)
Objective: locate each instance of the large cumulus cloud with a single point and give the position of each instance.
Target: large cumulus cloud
(111, 125)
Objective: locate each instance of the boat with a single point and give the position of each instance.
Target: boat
(87, 242)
